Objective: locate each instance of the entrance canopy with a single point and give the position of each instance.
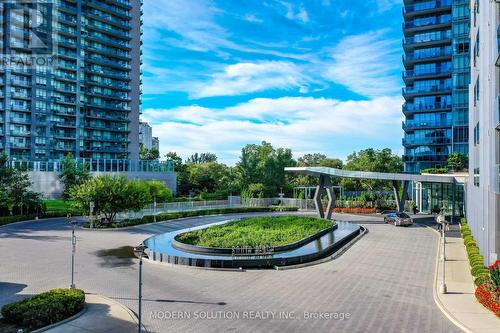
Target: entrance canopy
(325, 184)
(318, 171)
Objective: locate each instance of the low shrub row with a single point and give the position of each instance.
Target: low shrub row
(355, 210)
(18, 218)
(44, 309)
(176, 215)
(487, 279)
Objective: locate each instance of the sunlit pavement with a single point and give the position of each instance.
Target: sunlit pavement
(381, 284)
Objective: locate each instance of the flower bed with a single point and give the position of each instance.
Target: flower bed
(355, 210)
(487, 279)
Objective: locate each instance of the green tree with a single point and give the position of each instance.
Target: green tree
(371, 160)
(181, 171)
(316, 160)
(73, 174)
(148, 154)
(457, 161)
(159, 191)
(111, 195)
(254, 190)
(16, 196)
(266, 165)
(202, 158)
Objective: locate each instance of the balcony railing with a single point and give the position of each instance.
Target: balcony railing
(424, 90)
(425, 158)
(431, 21)
(425, 124)
(430, 37)
(436, 71)
(445, 52)
(423, 6)
(426, 141)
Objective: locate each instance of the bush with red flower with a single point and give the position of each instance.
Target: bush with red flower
(488, 293)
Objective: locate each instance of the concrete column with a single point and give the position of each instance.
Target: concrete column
(317, 196)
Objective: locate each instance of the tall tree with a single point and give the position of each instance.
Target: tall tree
(73, 174)
(148, 154)
(372, 160)
(202, 158)
(266, 165)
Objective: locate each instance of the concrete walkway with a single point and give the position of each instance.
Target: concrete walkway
(459, 304)
(102, 315)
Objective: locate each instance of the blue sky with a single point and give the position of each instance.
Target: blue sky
(312, 75)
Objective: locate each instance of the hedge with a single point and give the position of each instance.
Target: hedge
(44, 309)
(355, 210)
(176, 215)
(17, 218)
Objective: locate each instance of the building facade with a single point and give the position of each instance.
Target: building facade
(436, 77)
(483, 190)
(145, 135)
(156, 143)
(87, 101)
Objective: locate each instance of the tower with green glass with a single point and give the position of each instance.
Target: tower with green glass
(86, 101)
(436, 77)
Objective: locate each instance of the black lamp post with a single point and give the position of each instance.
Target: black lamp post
(139, 252)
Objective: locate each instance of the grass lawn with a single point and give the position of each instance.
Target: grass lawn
(58, 205)
(256, 231)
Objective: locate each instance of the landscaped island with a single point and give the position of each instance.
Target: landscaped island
(270, 231)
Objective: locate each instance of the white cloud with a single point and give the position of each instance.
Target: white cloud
(252, 18)
(242, 78)
(385, 5)
(301, 123)
(367, 64)
(295, 14)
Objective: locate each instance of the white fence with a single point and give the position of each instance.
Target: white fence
(171, 207)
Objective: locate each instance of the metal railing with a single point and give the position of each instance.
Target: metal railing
(97, 165)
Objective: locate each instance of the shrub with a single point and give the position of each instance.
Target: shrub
(45, 309)
(11, 219)
(478, 270)
(482, 279)
(355, 210)
(177, 215)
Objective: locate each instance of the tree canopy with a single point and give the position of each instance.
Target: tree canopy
(73, 174)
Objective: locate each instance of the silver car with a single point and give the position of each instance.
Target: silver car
(398, 219)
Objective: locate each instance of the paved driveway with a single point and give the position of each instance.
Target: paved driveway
(381, 284)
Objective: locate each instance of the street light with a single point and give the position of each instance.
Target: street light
(139, 252)
(442, 287)
(73, 244)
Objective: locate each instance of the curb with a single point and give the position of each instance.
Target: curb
(435, 285)
(62, 322)
(131, 313)
(331, 257)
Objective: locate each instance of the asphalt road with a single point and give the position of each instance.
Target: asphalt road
(383, 283)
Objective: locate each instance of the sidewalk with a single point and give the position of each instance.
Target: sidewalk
(102, 315)
(459, 304)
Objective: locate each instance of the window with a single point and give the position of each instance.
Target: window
(476, 177)
(476, 135)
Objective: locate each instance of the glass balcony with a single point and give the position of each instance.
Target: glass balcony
(436, 89)
(436, 72)
(425, 23)
(417, 8)
(428, 38)
(412, 124)
(426, 141)
(425, 158)
(441, 53)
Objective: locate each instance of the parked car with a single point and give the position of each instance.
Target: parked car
(398, 219)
